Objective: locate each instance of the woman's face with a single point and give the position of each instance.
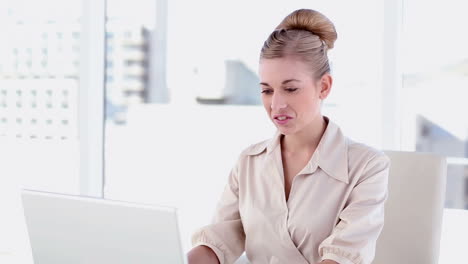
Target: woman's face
(290, 94)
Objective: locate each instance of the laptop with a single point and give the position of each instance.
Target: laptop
(80, 230)
(14, 240)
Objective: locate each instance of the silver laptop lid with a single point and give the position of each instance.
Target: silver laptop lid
(78, 230)
(14, 240)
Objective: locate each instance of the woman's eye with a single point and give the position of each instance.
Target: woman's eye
(291, 89)
(266, 91)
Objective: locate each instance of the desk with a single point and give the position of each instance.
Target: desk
(454, 240)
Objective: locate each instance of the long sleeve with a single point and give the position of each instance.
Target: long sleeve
(353, 240)
(225, 235)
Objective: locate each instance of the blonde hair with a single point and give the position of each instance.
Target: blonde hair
(304, 34)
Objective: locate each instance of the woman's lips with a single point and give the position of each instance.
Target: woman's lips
(282, 119)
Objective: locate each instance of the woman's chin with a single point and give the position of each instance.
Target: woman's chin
(286, 130)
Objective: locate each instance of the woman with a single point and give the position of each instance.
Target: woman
(308, 195)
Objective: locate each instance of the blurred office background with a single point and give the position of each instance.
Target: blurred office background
(152, 101)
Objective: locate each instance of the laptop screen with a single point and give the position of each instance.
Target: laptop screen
(14, 241)
(76, 230)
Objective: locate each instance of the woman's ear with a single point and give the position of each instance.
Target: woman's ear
(325, 86)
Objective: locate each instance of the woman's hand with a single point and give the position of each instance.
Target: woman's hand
(202, 255)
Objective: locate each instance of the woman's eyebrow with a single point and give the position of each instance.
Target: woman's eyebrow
(290, 80)
(284, 82)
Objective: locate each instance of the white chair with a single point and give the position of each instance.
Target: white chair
(242, 260)
(414, 209)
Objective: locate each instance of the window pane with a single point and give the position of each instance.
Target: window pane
(131, 43)
(435, 79)
(39, 84)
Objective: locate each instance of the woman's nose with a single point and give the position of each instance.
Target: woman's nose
(278, 102)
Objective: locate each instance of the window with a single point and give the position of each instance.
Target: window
(435, 78)
(39, 85)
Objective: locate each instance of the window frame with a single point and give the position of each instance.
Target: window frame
(91, 112)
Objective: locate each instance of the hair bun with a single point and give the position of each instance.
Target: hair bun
(313, 21)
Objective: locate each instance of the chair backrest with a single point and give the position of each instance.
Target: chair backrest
(414, 209)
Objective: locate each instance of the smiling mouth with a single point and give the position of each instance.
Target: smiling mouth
(282, 117)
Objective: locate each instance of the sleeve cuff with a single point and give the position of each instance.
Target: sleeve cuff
(340, 256)
(337, 258)
(217, 251)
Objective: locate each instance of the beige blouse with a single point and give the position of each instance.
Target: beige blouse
(335, 208)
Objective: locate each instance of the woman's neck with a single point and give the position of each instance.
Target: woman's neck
(307, 139)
